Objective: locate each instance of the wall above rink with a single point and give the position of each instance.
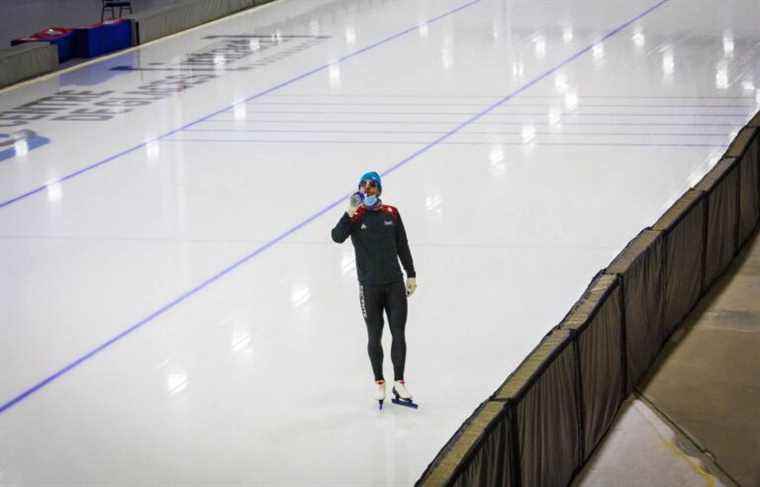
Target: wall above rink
(163, 21)
(544, 422)
(27, 61)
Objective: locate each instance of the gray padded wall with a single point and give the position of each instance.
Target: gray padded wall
(163, 21)
(27, 61)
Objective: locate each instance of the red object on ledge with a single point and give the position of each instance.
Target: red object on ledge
(60, 36)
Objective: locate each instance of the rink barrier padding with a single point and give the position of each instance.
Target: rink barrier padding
(746, 148)
(563, 398)
(596, 323)
(163, 21)
(544, 395)
(477, 454)
(639, 266)
(683, 229)
(755, 122)
(27, 60)
(721, 188)
(534, 420)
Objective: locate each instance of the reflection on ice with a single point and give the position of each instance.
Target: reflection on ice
(721, 76)
(176, 382)
(567, 34)
(300, 294)
(728, 44)
(54, 192)
(638, 38)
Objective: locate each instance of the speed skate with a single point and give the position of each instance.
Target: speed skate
(401, 395)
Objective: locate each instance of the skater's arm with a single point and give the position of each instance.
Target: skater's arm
(343, 229)
(402, 244)
(352, 215)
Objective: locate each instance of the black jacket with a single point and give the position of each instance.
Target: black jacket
(379, 241)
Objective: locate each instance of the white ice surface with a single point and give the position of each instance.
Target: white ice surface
(260, 376)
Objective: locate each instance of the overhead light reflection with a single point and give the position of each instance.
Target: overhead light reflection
(571, 101)
(335, 81)
(350, 36)
(240, 111)
(496, 154)
(518, 69)
(447, 52)
(423, 30)
(728, 44)
(21, 147)
(496, 158)
(434, 202)
(300, 294)
(241, 339)
(639, 39)
(668, 62)
(54, 192)
(176, 382)
(721, 76)
(348, 263)
(540, 42)
(447, 58)
(254, 45)
(555, 116)
(567, 34)
(597, 53)
(528, 133)
(152, 149)
(560, 82)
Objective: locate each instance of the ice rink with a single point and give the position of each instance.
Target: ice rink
(173, 309)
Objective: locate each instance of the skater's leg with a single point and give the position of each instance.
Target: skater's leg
(396, 308)
(371, 301)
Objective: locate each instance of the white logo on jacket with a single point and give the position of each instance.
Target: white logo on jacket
(364, 226)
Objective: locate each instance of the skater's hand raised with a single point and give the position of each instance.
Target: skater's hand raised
(411, 286)
(354, 203)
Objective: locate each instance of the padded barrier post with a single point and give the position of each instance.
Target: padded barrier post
(597, 323)
(639, 266)
(721, 189)
(543, 393)
(683, 232)
(746, 148)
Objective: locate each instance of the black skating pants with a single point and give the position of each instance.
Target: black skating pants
(390, 298)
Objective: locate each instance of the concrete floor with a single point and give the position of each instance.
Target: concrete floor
(694, 419)
(644, 449)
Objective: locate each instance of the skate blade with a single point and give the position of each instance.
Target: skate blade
(407, 403)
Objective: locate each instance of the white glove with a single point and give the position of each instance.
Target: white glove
(411, 285)
(353, 204)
